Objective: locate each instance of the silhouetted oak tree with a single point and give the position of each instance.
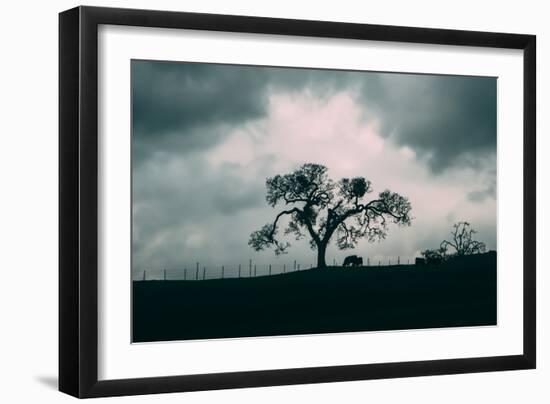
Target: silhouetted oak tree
(462, 241)
(321, 208)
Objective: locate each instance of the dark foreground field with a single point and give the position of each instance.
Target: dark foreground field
(461, 292)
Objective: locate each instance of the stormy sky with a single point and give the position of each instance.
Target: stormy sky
(205, 137)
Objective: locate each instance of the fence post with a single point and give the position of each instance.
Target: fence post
(197, 274)
(239, 270)
(254, 269)
(295, 265)
(165, 274)
(284, 268)
(144, 274)
(250, 269)
(184, 274)
(334, 262)
(223, 270)
(398, 260)
(203, 273)
(269, 269)
(368, 262)
(378, 263)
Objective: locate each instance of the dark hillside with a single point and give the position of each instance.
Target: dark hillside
(460, 292)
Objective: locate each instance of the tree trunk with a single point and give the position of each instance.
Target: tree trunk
(321, 251)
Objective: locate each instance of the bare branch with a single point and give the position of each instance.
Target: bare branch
(462, 240)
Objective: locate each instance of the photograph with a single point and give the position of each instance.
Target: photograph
(279, 200)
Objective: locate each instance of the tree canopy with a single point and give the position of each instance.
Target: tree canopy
(321, 208)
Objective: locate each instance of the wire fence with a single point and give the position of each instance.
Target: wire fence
(198, 272)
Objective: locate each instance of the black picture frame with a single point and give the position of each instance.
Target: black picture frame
(78, 201)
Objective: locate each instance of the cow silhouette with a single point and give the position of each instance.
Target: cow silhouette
(353, 261)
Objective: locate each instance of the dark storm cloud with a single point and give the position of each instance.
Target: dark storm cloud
(180, 96)
(185, 107)
(181, 107)
(191, 106)
(449, 120)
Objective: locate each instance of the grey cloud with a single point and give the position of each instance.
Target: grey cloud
(482, 194)
(169, 96)
(184, 107)
(191, 105)
(448, 120)
(173, 198)
(488, 189)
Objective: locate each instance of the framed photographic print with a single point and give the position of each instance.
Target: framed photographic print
(250, 201)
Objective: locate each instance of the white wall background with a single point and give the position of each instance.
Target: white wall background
(28, 206)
